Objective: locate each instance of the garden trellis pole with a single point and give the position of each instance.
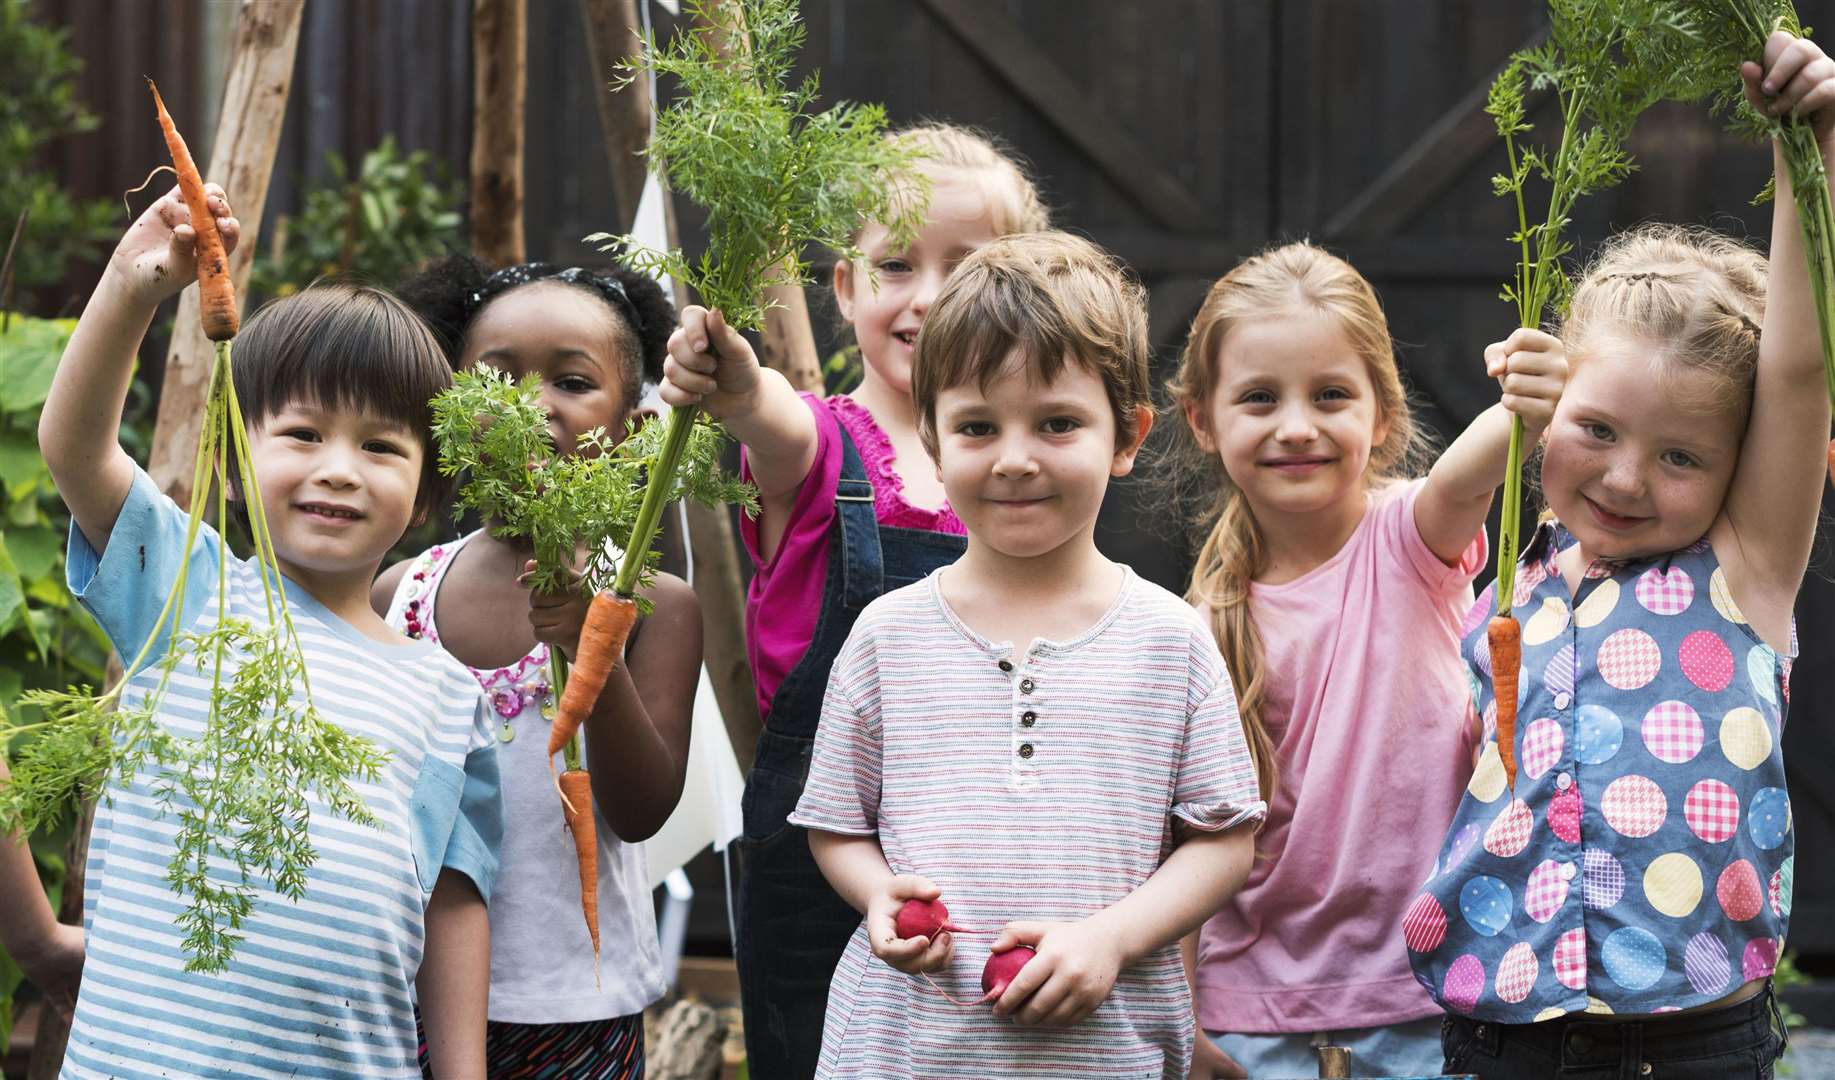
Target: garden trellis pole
(242, 153)
(613, 37)
(500, 31)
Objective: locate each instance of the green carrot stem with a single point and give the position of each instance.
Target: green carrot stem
(1507, 518)
(657, 488)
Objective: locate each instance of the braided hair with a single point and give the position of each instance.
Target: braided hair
(449, 293)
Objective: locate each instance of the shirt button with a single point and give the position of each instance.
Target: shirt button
(1564, 781)
(1025, 686)
(1025, 750)
(1578, 1043)
(1567, 871)
(1028, 718)
(1562, 699)
(1006, 665)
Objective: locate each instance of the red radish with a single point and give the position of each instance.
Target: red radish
(1001, 968)
(995, 976)
(924, 918)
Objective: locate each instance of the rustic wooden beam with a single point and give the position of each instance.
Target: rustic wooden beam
(613, 37)
(1171, 303)
(1010, 53)
(1442, 154)
(1155, 253)
(242, 160)
(500, 30)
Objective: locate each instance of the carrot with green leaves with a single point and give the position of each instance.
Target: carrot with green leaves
(1605, 62)
(216, 292)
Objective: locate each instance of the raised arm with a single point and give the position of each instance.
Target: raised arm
(713, 365)
(1531, 368)
(1769, 520)
(79, 428)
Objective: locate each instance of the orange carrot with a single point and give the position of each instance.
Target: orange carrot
(1506, 641)
(577, 809)
(216, 294)
(608, 625)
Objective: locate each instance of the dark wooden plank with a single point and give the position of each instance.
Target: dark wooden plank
(1171, 304)
(1423, 172)
(1158, 252)
(1083, 120)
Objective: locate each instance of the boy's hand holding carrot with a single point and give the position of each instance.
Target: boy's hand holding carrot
(710, 364)
(1075, 969)
(156, 258)
(913, 956)
(1531, 368)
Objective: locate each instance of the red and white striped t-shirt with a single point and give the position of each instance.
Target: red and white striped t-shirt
(1043, 791)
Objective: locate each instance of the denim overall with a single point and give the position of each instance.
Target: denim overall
(792, 927)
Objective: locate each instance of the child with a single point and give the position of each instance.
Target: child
(1032, 732)
(1334, 584)
(334, 383)
(851, 509)
(591, 336)
(1642, 863)
(49, 953)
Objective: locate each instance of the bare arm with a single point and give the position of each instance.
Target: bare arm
(454, 982)
(78, 430)
(1532, 369)
(856, 867)
(49, 952)
(382, 592)
(638, 733)
(713, 365)
(1769, 523)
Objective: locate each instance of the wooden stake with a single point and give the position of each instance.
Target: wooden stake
(242, 160)
(500, 31)
(614, 37)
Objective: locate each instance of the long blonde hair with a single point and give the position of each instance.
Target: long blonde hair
(1293, 279)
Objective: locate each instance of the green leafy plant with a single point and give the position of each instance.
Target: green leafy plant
(246, 785)
(772, 176)
(1724, 33)
(495, 433)
(1605, 62)
(396, 212)
(38, 105)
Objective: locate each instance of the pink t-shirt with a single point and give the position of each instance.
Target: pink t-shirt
(789, 584)
(1368, 705)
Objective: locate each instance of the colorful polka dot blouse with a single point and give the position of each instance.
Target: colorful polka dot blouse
(1643, 863)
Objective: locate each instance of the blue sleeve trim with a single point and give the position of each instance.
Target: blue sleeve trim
(458, 814)
(125, 586)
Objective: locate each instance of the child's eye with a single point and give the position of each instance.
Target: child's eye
(574, 384)
(383, 446)
(301, 434)
(893, 266)
(1598, 431)
(1061, 425)
(1334, 393)
(1257, 397)
(1679, 459)
(975, 429)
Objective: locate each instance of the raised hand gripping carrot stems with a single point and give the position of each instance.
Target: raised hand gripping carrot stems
(1605, 61)
(1723, 33)
(243, 785)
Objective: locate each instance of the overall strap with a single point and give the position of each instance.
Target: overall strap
(862, 564)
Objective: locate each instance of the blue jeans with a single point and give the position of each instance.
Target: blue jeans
(1411, 1048)
(1739, 1042)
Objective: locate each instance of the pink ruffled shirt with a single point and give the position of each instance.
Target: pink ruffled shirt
(1368, 704)
(789, 584)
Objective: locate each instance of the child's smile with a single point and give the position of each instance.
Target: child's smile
(338, 487)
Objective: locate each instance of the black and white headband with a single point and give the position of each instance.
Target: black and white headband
(523, 273)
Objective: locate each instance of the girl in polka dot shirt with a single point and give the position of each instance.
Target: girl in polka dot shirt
(1641, 866)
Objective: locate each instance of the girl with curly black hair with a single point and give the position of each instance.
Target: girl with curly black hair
(594, 337)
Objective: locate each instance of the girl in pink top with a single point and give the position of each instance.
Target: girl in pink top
(852, 508)
(1335, 585)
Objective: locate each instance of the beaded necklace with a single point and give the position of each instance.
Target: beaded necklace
(511, 689)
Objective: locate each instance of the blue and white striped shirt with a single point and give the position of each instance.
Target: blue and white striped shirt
(321, 987)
